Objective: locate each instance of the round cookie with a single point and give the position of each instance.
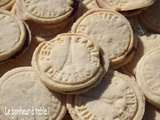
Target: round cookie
(110, 30)
(68, 62)
(21, 89)
(13, 34)
(150, 18)
(124, 5)
(147, 76)
(36, 11)
(115, 98)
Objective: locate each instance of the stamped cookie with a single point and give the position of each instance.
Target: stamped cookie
(144, 45)
(57, 10)
(115, 98)
(150, 18)
(23, 86)
(147, 76)
(68, 62)
(13, 34)
(99, 26)
(124, 5)
(6, 4)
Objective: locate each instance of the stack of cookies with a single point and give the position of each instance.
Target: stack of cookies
(46, 19)
(105, 68)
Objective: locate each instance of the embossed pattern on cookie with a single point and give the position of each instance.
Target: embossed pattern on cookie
(58, 60)
(114, 98)
(4, 2)
(99, 26)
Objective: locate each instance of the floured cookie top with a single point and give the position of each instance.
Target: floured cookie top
(150, 18)
(145, 44)
(50, 11)
(12, 34)
(148, 74)
(109, 29)
(115, 98)
(68, 62)
(22, 86)
(124, 5)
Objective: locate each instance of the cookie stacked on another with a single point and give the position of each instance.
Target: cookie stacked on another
(126, 7)
(46, 19)
(15, 36)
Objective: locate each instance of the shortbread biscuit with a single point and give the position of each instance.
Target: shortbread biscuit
(115, 98)
(68, 62)
(13, 34)
(144, 45)
(124, 5)
(151, 112)
(150, 18)
(147, 76)
(22, 89)
(57, 10)
(6, 4)
(110, 30)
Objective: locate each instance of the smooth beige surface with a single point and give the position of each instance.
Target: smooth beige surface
(68, 62)
(145, 44)
(150, 18)
(148, 74)
(115, 98)
(12, 35)
(40, 11)
(22, 86)
(110, 30)
(124, 5)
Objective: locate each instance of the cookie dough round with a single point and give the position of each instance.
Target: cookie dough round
(115, 98)
(148, 74)
(110, 30)
(12, 34)
(21, 90)
(68, 62)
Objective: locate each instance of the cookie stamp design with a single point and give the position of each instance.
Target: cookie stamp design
(59, 61)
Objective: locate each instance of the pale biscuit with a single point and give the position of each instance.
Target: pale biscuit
(148, 74)
(6, 4)
(115, 98)
(110, 30)
(22, 89)
(124, 5)
(36, 11)
(150, 18)
(13, 34)
(144, 45)
(68, 62)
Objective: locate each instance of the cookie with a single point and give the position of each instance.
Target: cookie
(13, 35)
(99, 26)
(68, 62)
(145, 44)
(147, 76)
(124, 5)
(116, 97)
(36, 11)
(149, 18)
(32, 100)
